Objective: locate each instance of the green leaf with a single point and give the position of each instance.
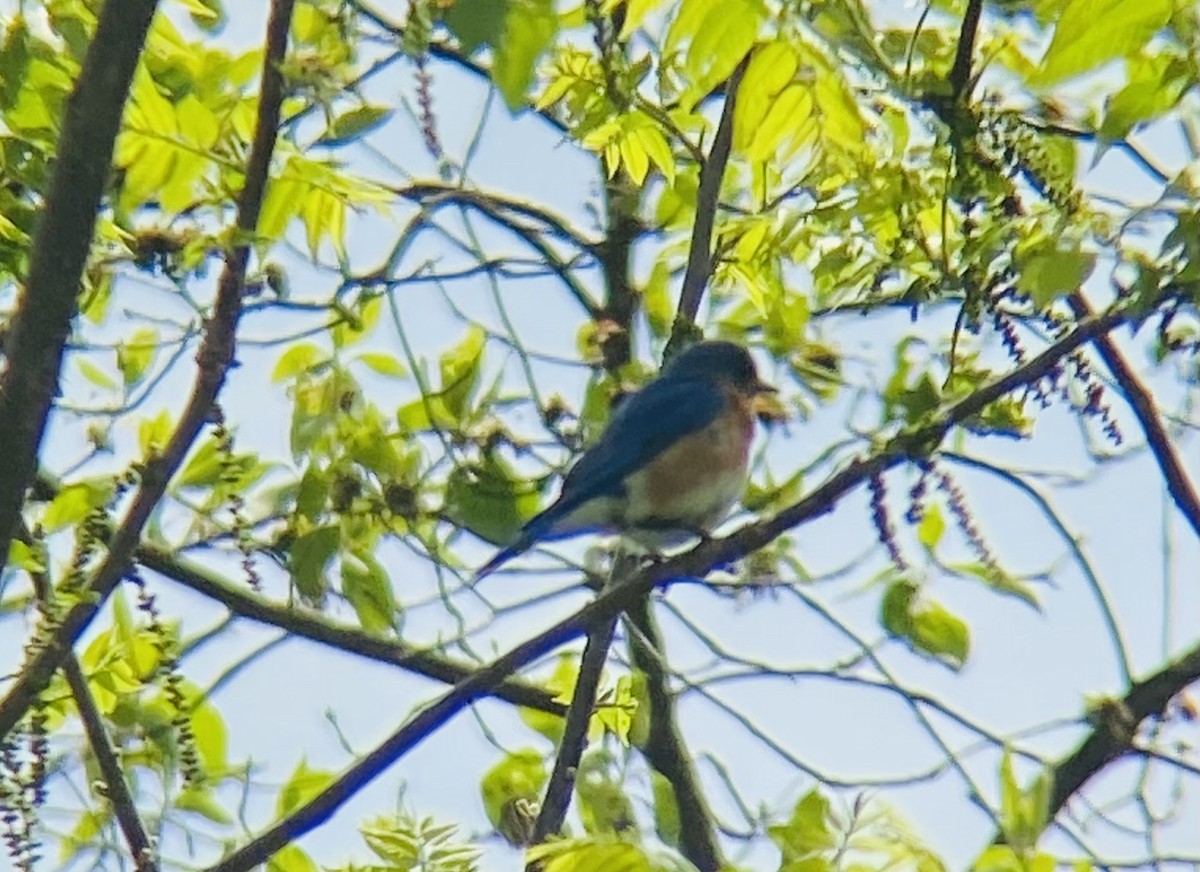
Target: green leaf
(666, 809)
(74, 502)
(354, 124)
(85, 831)
(938, 632)
(298, 359)
(1156, 83)
(931, 528)
(135, 355)
(603, 805)
(211, 736)
(291, 859)
(304, 785)
(1091, 33)
(561, 684)
(490, 500)
(310, 554)
(927, 626)
(95, 374)
(529, 28)
(204, 802)
(614, 711)
(519, 776)
(313, 492)
(1049, 268)
(366, 585)
(384, 364)
(589, 855)
(725, 35)
(476, 22)
(460, 368)
(808, 832)
(154, 433)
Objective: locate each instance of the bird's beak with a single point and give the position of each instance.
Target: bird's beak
(766, 403)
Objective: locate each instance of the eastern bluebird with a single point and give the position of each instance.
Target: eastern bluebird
(672, 461)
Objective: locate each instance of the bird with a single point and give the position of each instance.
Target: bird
(670, 464)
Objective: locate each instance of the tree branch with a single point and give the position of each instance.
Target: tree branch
(574, 739)
(117, 791)
(245, 604)
(664, 748)
(213, 361)
(1178, 484)
(1116, 726)
(60, 249)
(960, 73)
(624, 592)
(700, 262)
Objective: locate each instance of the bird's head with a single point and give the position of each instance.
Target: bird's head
(723, 362)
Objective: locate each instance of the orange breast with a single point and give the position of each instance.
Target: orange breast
(696, 481)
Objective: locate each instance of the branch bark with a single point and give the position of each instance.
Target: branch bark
(60, 248)
(1116, 726)
(664, 748)
(245, 604)
(700, 260)
(119, 797)
(1179, 486)
(213, 362)
(574, 740)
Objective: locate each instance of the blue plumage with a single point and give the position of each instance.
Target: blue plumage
(694, 399)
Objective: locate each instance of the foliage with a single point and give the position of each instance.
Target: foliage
(424, 342)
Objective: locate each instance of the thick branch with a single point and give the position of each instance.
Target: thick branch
(60, 248)
(700, 261)
(245, 604)
(624, 592)
(664, 748)
(1178, 484)
(213, 360)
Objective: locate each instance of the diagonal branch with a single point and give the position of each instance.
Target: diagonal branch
(574, 739)
(60, 249)
(700, 259)
(624, 592)
(1178, 484)
(248, 605)
(213, 362)
(1116, 726)
(117, 790)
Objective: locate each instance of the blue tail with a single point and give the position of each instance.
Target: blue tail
(519, 547)
(535, 529)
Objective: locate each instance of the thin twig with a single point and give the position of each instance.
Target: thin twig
(575, 731)
(700, 262)
(213, 362)
(117, 791)
(1116, 726)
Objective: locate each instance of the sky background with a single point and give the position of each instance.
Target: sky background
(1029, 672)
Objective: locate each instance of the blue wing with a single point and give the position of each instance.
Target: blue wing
(644, 426)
